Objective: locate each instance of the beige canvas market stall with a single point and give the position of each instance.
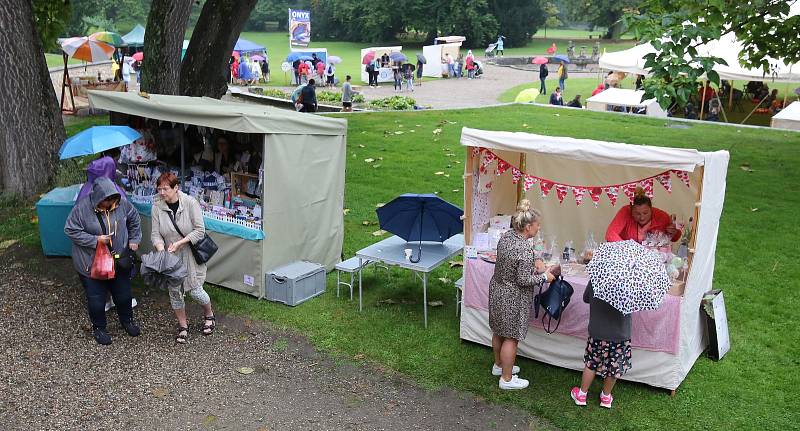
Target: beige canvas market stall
(303, 187)
(576, 174)
(385, 73)
(788, 118)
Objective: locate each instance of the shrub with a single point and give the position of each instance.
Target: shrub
(393, 103)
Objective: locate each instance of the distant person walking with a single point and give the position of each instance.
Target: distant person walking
(347, 95)
(543, 72)
(420, 65)
(470, 64)
(562, 75)
(499, 45)
(308, 97)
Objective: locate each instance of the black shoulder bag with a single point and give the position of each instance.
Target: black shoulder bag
(554, 300)
(203, 250)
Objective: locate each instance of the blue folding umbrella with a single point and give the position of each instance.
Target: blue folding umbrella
(424, 217)
(97, 139)
(298, 56)
(397, 56)
(561, 57)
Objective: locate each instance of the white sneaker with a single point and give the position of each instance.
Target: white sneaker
(109, 304)
(134, 303)
(498, 371)
(514, 384)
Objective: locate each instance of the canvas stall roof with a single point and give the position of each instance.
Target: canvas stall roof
(135, 37)
(244, 46)
(589, 150)
(451, 39)
(791, 112)
(208, 112)
(620, 96)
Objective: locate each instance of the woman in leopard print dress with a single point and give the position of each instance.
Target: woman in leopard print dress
(511, 292)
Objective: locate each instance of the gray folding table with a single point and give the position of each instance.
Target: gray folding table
(390, 251)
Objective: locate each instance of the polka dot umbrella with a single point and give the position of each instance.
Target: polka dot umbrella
(83, 48)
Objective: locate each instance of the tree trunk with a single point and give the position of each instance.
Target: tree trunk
(204, 71)
(31, 128)
(163, 42)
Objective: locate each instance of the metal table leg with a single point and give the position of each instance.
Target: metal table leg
(360, 265)
(425, 297)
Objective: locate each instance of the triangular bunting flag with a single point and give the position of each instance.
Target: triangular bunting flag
(476, 151)
(665, 181)
(488, 158)
(529, 182)
(683, 175)
(561, 191)
(578, 192)
(516, 174)
(595, 193)
(647, 185)
(612, 193)
(629, 190)
(545, 186)
(502, 166)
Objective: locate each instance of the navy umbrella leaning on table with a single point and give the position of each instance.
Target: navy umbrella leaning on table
(425, 217)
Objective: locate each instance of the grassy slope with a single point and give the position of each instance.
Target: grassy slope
(54, 60)
(756, 266)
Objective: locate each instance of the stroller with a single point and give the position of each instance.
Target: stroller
(490, 50)
(478, 69)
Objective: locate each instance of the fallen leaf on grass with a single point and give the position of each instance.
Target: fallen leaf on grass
(412, 131)
(456, 190)
(746, 167)
(444, 280)
(379, 204)
(447, 175)
(362, 146)
(525, 125)
(455, 263)
(450, 155)
(377, 165)
(399, 132)
(418, 125)
(458, 162)
(399, 125)
(438, 173)
(370, 160)
(437, 131)
(558, 115)
(752, 210)
(435, 303)
(365, 222)
(245, 370)
(346, 211)
(379, 232)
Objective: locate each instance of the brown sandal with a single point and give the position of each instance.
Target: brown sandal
(183, 334)
(208, 329)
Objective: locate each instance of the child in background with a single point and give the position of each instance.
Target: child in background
(608, 350)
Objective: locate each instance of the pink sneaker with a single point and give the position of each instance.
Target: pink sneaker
(606, 400)
(580, 400)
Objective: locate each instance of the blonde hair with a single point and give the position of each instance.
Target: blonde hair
(524, 216)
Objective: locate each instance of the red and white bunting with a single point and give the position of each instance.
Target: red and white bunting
(647, 185)
(476, 151)
(683, 175)
(488, 158)
(561, 192)
(529, 182)
(629, 190)
(578, 192)
(594, 194)
(502, 166)
(665, 181)
(612, 193)
(516, 174)
(545, 186)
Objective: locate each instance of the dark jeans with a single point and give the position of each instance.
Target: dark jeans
(96, 293)
(543, 87)
(306, 108)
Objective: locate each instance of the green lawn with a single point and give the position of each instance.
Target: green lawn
(54, 60)
(749, 389)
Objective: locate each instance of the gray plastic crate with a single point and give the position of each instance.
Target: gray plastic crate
(295, 282)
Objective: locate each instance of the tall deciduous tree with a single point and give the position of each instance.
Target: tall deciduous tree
(204, 68)
(602, 13)
(31, 129)
(518, 20)
(163, 42)
(767, 29)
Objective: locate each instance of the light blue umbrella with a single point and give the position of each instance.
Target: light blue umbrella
(97, 139)
(397, 56)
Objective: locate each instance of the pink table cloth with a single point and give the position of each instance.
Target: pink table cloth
(656, 330)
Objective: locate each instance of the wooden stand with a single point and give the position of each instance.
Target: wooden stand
(239, 181)
(67, 83)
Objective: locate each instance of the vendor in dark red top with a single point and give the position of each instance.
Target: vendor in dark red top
(637, 219)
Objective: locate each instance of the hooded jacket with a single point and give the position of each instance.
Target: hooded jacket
(83, 227)
(102, 167)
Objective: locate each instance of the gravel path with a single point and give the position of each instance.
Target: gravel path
(54, 375)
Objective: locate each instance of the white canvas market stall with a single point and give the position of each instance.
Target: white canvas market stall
(788, 118)
(385, 73)
(435, 55)
(618, 97)
(302, 192)
(579, 178)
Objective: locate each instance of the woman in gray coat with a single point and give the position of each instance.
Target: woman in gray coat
(104, 219)
(511, 292)
(172, 204)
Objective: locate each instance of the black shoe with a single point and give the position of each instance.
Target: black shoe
(101, 336)
(131, 328)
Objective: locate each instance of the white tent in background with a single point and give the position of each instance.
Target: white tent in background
(788, 118)
(625, 98)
